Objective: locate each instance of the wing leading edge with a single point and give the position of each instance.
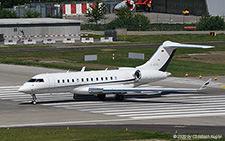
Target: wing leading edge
(124, 90)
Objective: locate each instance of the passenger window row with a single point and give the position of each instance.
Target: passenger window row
(86, 79)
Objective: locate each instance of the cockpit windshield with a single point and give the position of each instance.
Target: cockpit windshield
(36, 80)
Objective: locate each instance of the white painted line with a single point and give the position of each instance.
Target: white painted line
(5, 87)
(150, 107)
(178, 116)
(170, 110)
(85, 102)
(166, 112)
(172, 113)
(63, 123)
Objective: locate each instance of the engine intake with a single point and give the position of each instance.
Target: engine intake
(137, 75)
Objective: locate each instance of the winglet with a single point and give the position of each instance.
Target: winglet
(83, 69)
(204, 86)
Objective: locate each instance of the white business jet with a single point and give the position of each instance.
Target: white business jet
(118, 81)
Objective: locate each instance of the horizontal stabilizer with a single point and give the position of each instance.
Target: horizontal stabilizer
(168, 44)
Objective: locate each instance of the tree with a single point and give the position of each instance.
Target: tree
(11, 3)
(7, 14)
(31, 14)
(96, 12)
(127, 19)
(208, 22)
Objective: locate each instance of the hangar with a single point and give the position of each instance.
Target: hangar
(196, 7)
(39, 27)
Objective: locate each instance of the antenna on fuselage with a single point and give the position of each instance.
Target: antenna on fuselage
(83, 69)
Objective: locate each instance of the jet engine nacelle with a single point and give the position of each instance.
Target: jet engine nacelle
(150, 75)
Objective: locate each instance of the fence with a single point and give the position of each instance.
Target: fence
(57, 10)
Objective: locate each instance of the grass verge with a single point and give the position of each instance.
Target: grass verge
(83, 135)
(74, 60)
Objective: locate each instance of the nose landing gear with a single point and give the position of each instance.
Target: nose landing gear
(34, 99)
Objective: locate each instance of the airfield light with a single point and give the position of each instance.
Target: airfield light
(186, 75)
(212, 34)
(200, 76)
(215, 78)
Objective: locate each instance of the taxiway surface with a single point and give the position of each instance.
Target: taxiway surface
(206, 108)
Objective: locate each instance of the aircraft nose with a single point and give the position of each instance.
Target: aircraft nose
(24, 89)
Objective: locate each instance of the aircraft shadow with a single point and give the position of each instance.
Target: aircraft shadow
(128, 98)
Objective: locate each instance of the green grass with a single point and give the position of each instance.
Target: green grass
(79, 134)
(74, 60)
(82, 135)
(183, 38)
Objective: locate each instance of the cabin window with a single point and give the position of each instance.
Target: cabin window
(115, 77)
(111, 78)
(106, 78)
(82, 79)
(63, 81)
(96, 78)
(72, 80)
(87, 79)
(77, 80)
(58, 81)
(102, 78)
(68, 80)
(91, 79)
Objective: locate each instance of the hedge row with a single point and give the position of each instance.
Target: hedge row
(150, 27)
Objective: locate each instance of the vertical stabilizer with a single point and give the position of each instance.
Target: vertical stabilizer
(162, 57)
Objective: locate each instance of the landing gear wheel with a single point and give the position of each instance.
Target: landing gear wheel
(34, 102)
(119, 97)
(101, 96)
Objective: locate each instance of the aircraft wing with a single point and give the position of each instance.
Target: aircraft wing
(124, 90)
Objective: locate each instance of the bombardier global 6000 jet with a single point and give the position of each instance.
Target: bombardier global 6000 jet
(118, 81)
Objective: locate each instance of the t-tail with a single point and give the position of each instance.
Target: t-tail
(162, 57)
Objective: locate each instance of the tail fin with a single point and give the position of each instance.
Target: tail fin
(162, 57)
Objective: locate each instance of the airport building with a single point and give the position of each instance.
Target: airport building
(36, 27)
(196, 7)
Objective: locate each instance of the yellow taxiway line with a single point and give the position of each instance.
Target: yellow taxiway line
(13, 75)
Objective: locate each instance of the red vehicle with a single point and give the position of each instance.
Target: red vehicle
(135, 5)
(143, 5)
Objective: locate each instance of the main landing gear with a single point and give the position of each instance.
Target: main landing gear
(101, 96)
(119, 97)
(34, 99)
(74, 96)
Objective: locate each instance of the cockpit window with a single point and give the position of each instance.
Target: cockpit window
(40, 80)
(36, 80)
(32, 80)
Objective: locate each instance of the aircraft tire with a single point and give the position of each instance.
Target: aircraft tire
(101, 96)
(119, 97)
(34, 102)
